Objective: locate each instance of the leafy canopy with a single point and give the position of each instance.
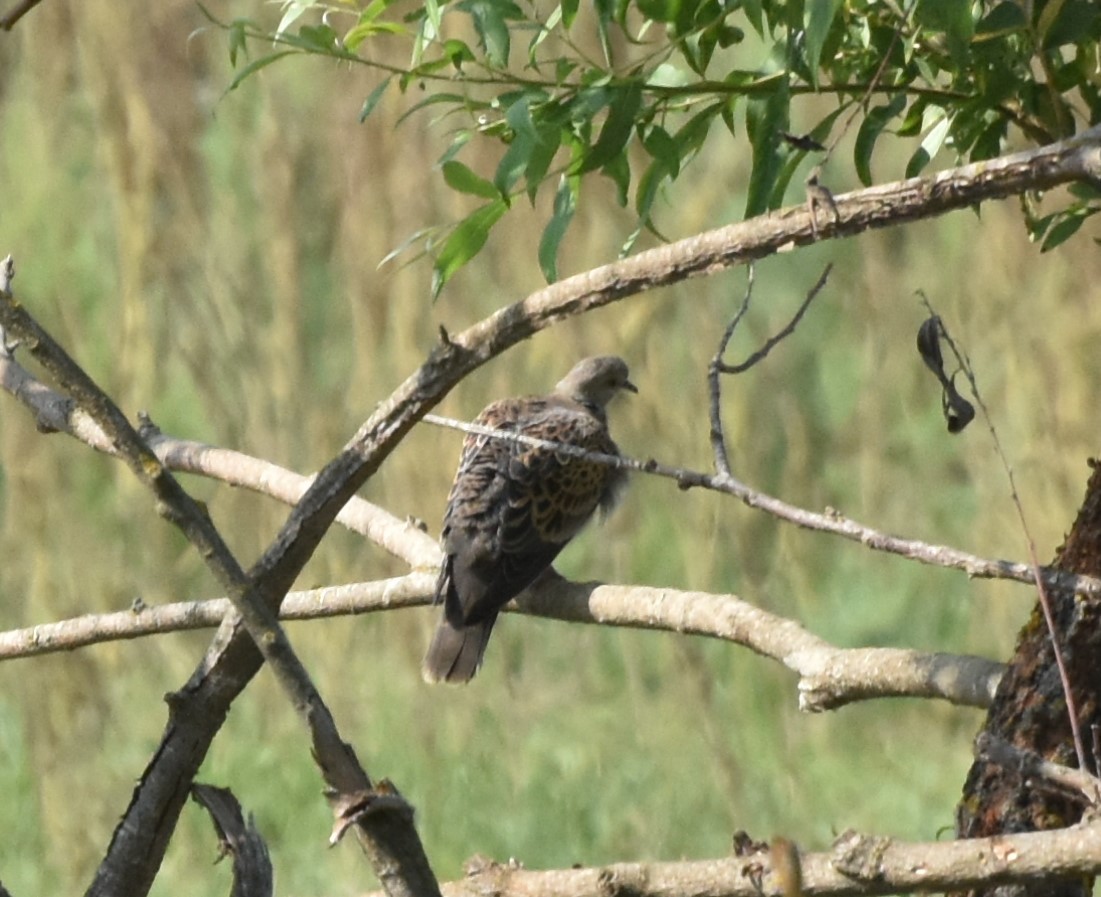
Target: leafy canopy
(630, 89)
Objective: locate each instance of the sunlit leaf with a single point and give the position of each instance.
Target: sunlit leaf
(293, 10)
(464, 242)
(931, 143)
(459, 177)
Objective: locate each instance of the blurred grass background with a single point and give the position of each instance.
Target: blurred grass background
(213, 260)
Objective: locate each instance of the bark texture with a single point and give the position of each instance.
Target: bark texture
(1030, 709)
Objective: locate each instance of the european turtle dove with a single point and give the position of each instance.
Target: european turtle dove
(513, 507)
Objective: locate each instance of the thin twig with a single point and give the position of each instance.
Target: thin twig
(774, 340)
(718, 442)
(718, 366)
(1029, 764)
(831, 521)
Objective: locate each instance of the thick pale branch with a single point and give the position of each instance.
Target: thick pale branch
(411, 590)
(829, 676)
(856, 865)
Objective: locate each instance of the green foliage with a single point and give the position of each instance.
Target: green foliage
(952, 74)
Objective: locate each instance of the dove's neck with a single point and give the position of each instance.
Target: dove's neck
(575, 396)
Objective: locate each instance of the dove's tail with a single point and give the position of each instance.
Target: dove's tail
(456, 653)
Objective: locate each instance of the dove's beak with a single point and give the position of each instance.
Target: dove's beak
(628, 385)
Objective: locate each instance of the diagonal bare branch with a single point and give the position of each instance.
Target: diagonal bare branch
(337, 760)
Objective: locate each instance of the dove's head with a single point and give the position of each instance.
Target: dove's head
(595, 381)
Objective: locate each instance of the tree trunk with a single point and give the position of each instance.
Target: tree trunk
(1030, 709)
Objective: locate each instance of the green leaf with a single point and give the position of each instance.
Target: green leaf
(953, 17)
(565, 204)
(660, 10)
(619, 171)
(457, 52)
(253, 67)
(819, 19)
(692, 134)
(517, 157)
(1068, 23)
(1066, 225)
(932, 142)
(1084, 191)
(490, 18)
(373, 99)
(569, 12)
(647, 191)
(1062, 232)
(988, 143)
(238, 39)
(605, 17)
(293, 10)
(874, 122)
(455, 98)
(543, 151)
(320, 38)
(754, 13)
(464, 242)
(765, 118)
(663, 148)
(617, 128)
(459, 177)
(1003, 18)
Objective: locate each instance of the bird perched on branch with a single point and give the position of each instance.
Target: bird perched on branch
(514, 506)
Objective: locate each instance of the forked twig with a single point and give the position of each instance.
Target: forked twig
(718, 366)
